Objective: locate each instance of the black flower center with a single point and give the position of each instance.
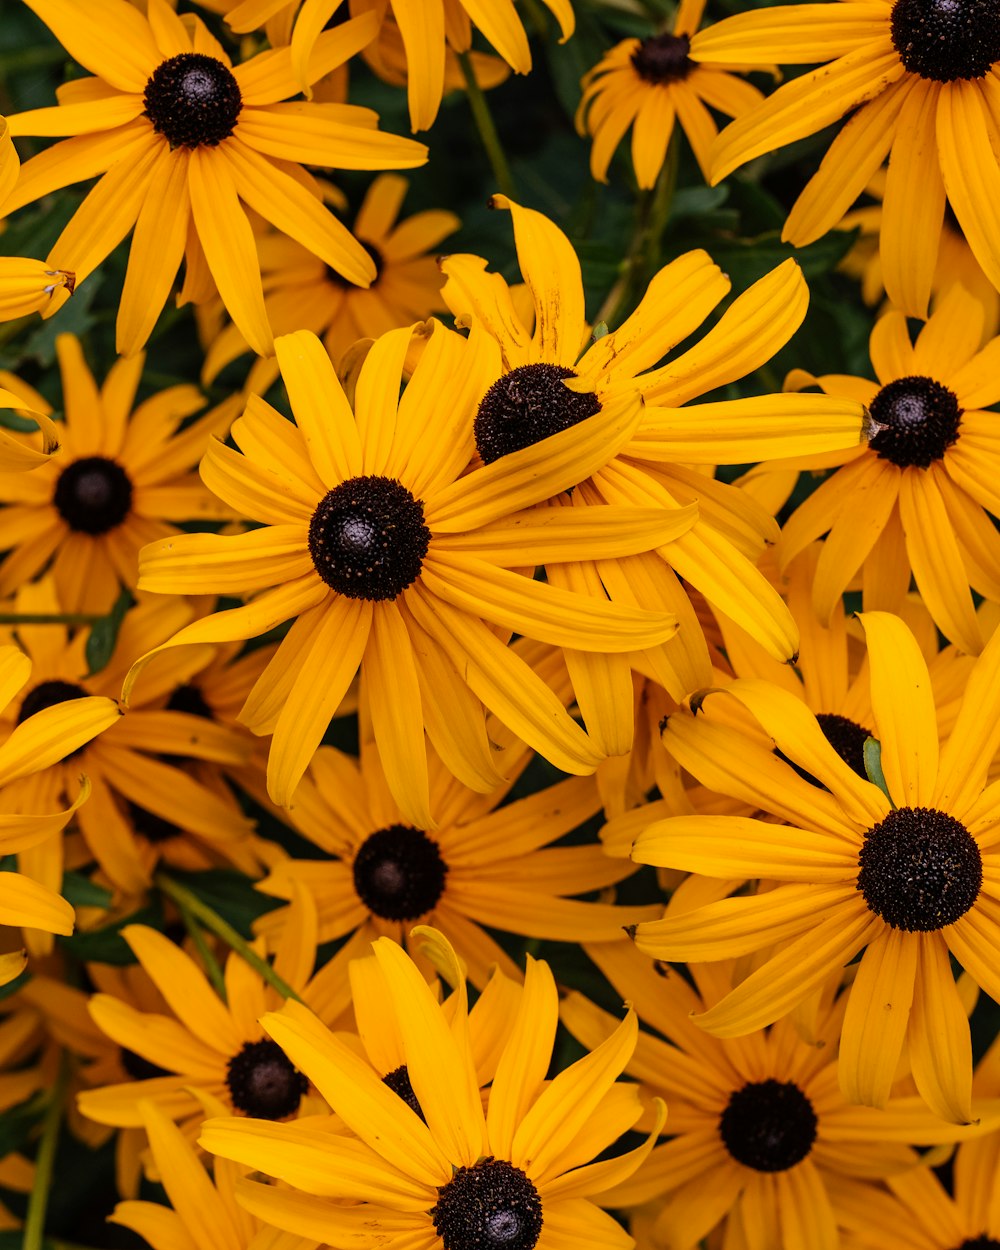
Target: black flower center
(263, 1083)
(188, 698)
(93, 495)
(663, 58)
(846, 737)
(368, 539)
(921, 869)
(399, 873)
(947, 39)
(49, 694)
(192, 100)
(979, 1243)
(398, 1081)
(138, 1068)
(768, 1125)
(526, 405)
(489, 1206)
(152, 827)
(919, 419)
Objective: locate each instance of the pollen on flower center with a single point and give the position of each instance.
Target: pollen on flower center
(489, 1206)
(193, 100)
(663, 58)
(263, 1083)
(919, 420)
(769, 1126)
(947, 39)
(526, 405)
(367, 538)
(920, 869)
(93, 495)
(399, 873)
(398, 1080)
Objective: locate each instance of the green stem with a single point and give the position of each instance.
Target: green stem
(643, 258)
(186, 900)
(48, 618)
(38, 1202)
(210, 963)
(483, 118)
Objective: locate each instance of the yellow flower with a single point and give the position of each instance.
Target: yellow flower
(451, 1175)
(301, 293)
(43, 736)
(760, 1135)
(180, 171)
(918, 81)
(392, 560)
(120, 478)
(26, 286)
(907, 878)
(556, 375)
(920, 496)
(484, 864)
(651, 84)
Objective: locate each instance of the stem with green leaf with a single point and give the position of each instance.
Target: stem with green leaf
(209, 962)
(189, 902)
(38, 1200)
(486, 127)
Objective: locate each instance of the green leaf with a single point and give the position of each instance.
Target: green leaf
(106, 945)
(103, 636)
(230, 895)
(17, 1123)
(873, 767)
(81, 892)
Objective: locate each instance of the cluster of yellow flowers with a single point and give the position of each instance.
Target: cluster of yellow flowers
(374, 726)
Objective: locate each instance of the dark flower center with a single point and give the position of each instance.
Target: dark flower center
(152, 827)
(846, 737)
(920, 420)
(663, 58)
(768, 1125)
(979, 1243)
(399, 873)
(920, 869)
(398, 1081)
(368, 539)
(526, 405)
(263, 1083)
(947, 39)
(489, 1206)
(192, 100)
(49, 694)
(93, 495)
(188, 698)
(138, 1068)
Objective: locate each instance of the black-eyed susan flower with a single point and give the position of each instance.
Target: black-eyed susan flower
(26, 286)
(483, 865)
(760, 1134)
(184, 139)
(122, 475)
(139, 768)
(301, 293)
(652, 85)
(906, 876)
(43, 736)
(555, 376)
(455, 1176)
(206, 1045)
(918, 81)
(390, 559)
(920, 1214)
(427, 31)
(920, 495)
